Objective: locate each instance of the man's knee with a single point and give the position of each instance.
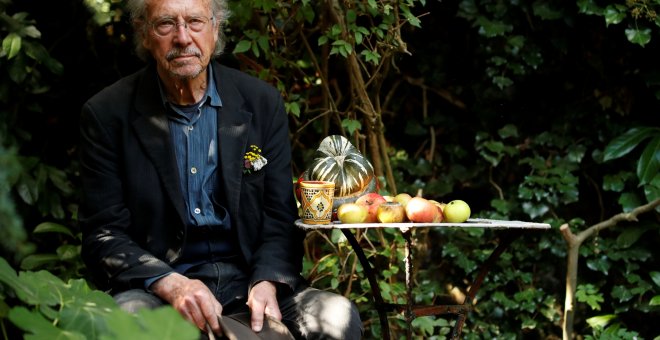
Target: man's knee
(329, 316)
(136, 299)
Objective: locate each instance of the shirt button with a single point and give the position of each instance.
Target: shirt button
(198, 211)
(190, 128)
(193, 170)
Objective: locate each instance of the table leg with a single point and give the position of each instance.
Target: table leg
(408, 264)
(375, 289)
(507, 238)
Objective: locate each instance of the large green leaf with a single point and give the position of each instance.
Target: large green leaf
(649, 163)
(622, 145)
(159, 324)
(38, 327)
(8, 274)
(85, 310)
(42, 288)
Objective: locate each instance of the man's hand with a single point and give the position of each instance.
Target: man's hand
(262, 300)
(191, 298)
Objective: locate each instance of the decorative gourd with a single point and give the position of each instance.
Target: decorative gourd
(337, 160)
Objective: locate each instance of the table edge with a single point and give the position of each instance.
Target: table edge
(471, 223)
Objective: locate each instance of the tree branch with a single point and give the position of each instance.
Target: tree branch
(574, 242)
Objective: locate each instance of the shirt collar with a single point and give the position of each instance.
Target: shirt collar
(212, 96)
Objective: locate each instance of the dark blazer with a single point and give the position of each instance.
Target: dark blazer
(132, 213)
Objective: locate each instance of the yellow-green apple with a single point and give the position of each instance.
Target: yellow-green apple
(371, 201)
(402, 198)
(389, 198)
(351, 213)
(390, 212)
(420, 210)
(456, 211)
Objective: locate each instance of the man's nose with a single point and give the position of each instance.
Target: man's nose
(181, 32)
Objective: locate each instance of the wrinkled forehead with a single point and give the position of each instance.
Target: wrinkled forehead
(159, 8)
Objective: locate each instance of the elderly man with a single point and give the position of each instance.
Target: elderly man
(187, 185)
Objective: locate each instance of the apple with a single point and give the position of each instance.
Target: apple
(390, 212)
(402, 198)
(421, 210)
(389, 198)
(440, 205)
(371, 201)
(351, 213)
(456, 211)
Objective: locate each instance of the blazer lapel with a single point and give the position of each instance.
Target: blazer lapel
(233, 127)
(152, 129)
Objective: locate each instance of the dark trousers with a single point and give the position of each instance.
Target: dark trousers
(309, 313)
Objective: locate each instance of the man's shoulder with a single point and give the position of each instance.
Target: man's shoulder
(120, 89)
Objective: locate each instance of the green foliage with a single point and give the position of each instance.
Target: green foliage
(648, 164)
(639, 15)
(45, 307)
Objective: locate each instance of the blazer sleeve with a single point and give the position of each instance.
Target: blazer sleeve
(109, 249)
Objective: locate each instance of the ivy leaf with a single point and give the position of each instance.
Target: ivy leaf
(613, 15)
(351, 125)
(589, 293)
(637, 36)
(622, 145)
(589, 7)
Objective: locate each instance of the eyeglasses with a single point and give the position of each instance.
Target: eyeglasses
(164, 27)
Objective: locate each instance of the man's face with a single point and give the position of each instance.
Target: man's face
(186, 50)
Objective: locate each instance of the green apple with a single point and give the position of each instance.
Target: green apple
(352, 213)
(390, 212)
(456, 211)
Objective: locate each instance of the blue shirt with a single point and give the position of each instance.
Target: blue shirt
(194, 132)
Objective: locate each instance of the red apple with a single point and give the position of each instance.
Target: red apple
(421, 210)
(371, 201)
(441, 208)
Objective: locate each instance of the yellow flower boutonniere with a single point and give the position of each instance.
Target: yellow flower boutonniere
(253, 160)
